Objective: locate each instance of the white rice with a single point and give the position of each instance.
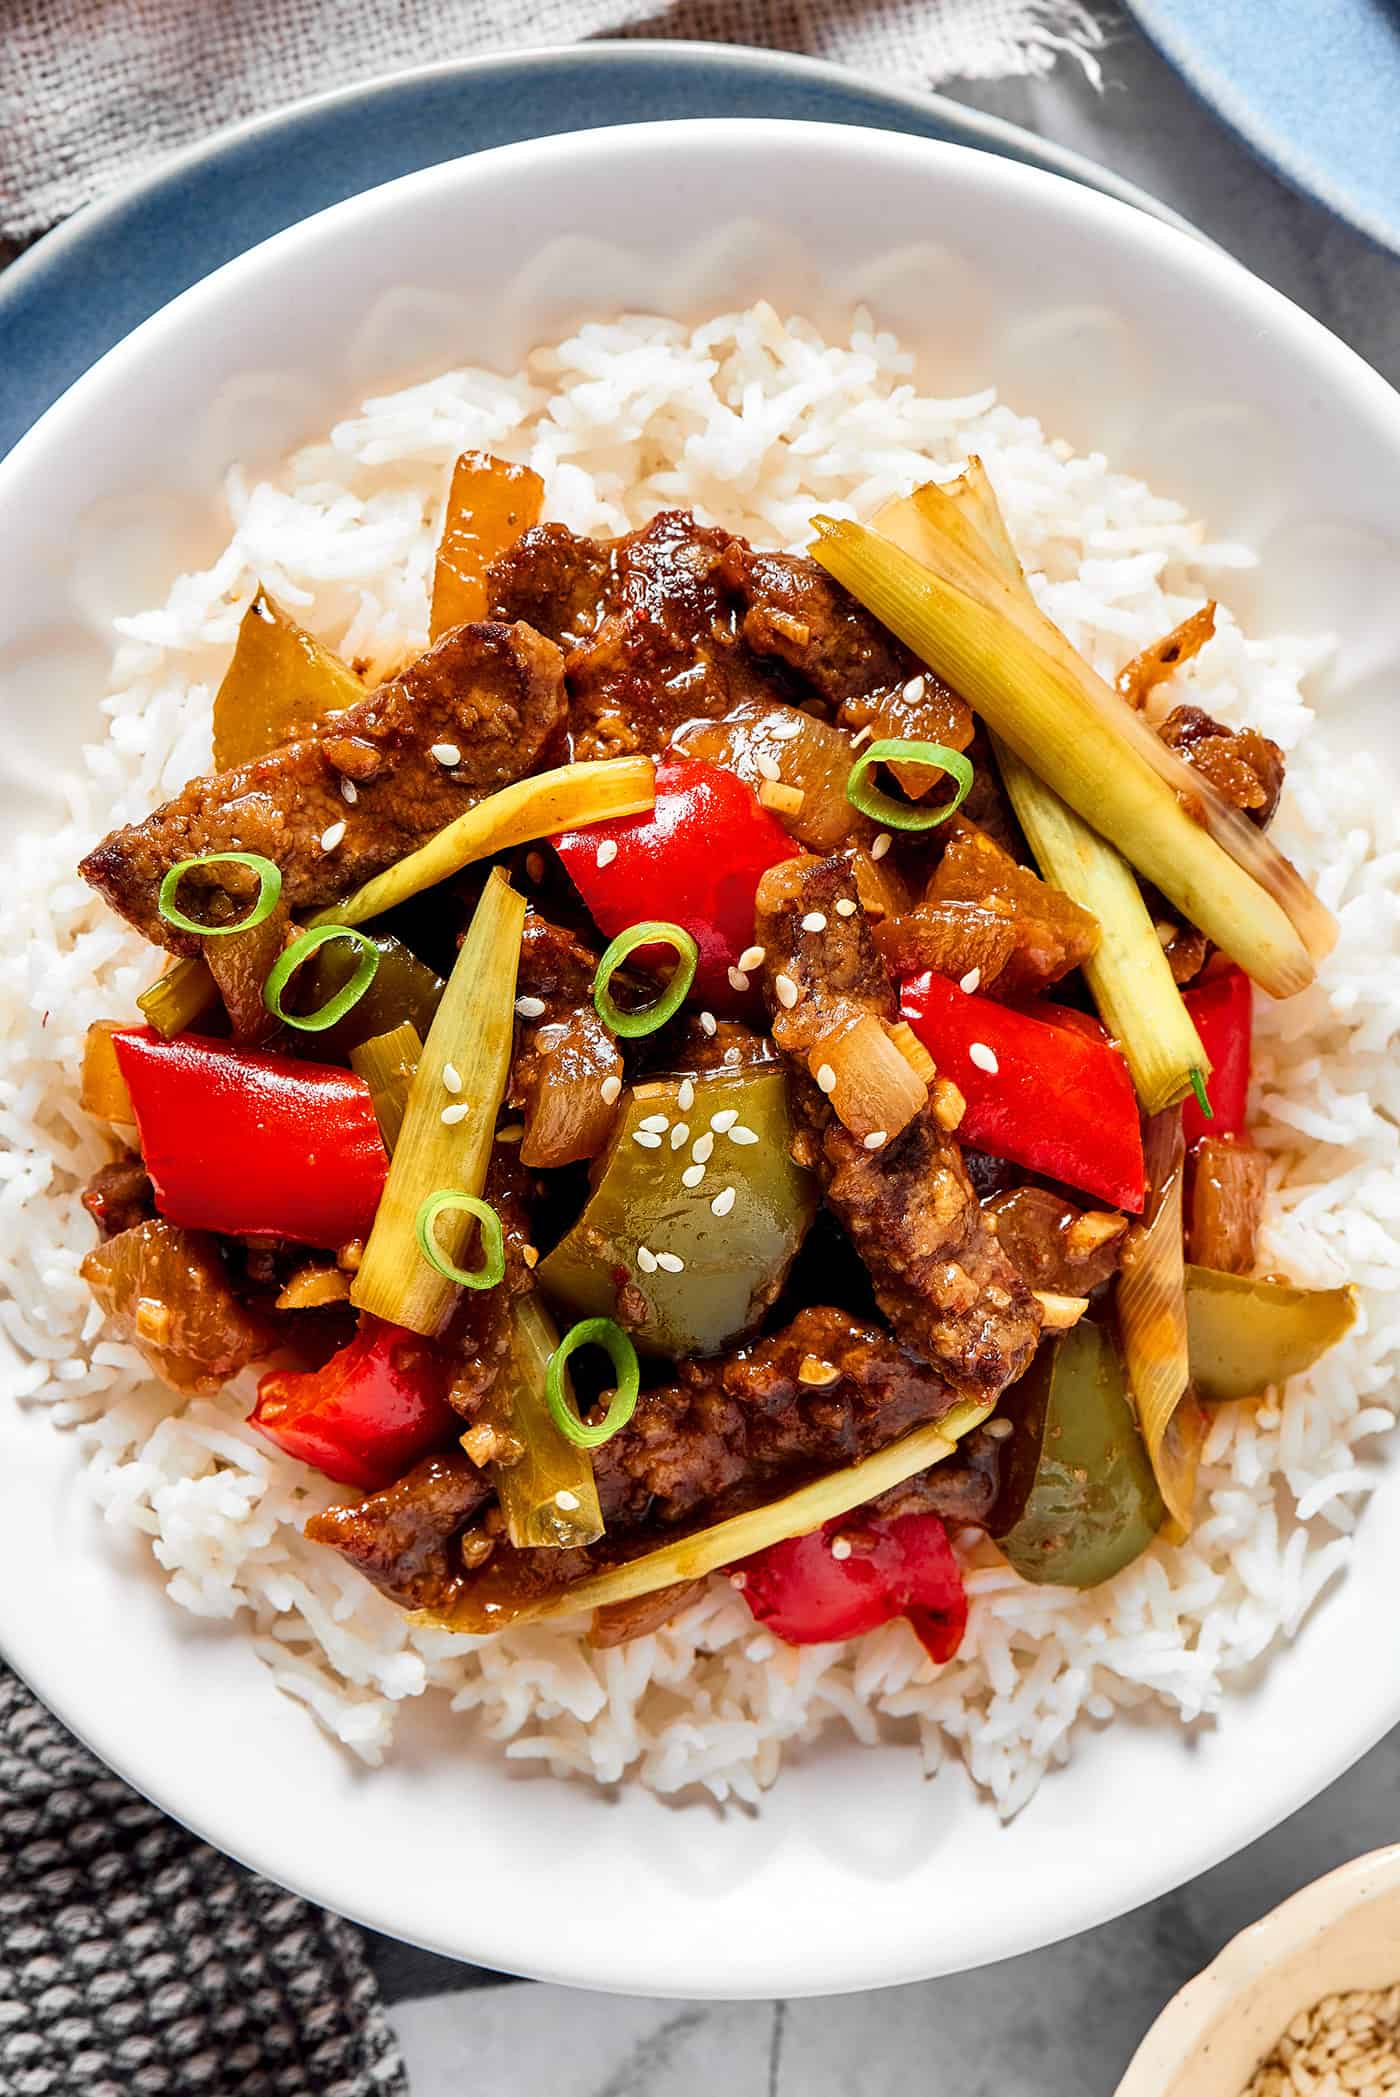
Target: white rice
(754, 423)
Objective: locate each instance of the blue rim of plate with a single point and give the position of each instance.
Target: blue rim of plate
(83, 288)
(1312, 89)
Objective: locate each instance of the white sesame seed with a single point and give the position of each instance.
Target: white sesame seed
(737, 979)
(881, 845)
(814, 922)
(659, 1122)
(876, 1140)
(998, 1430)
(769, 766)
(452, 1115)
(846, 908)
(708, 1022)
(741, 1135)
(534, 866)
(864, 735)
(723, 1202)
(646, 1259)
(331, 836)
(702, 1148)
(611, 1089)
(752, 957)
(840, 1547)
(970, 981)
(530, 1008)
(733, 1056)
(349, 792)
(670, 1263)
(692, 1175)
(648, 1139)
(786, 992)
(739, 1580)
(685, 1098)
(826, 1078)
(565, 1499)
(985, 1058)
(607, 851)
(447, 754)
(786, 731)
(680, 1135)
(724, 1120)
(914, 690)
(451, 1077)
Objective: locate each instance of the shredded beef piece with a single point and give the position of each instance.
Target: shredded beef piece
(940, 1277)
(792, 609)
(618, 1622)
(962, 1489)
(728, 1434)
(403, 1538)
(493, 692)
(483, 1322)
(1054, 1245)
(120, 1195)
(564, 1056)
(1240, 763)
(691, 1048)
(169, 1290)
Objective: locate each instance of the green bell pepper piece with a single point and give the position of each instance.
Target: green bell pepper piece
(1245, 1335)
(404, 989)
(734, 1262)
(1078, 1500)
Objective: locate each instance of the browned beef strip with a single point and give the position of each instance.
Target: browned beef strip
(947, 1288)
(1240, 763)
(792, 609)
(1054, 1245)
(564, 1054)
(402, 1538)
(168, 1289)
(483, 1321)
(120, 1195)
(728, 1434)
(495, 693)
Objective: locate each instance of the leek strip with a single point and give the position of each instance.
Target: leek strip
(474, 1030)
(1153, 1328)
(179, 997)
(564, 799)
(959, 560)
(547, 1495)
(709, 1550)
(1044, 714)
(387, 1063)
(1129, 975)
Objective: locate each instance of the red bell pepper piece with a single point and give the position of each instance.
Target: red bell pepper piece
(1059, 1098)
(855, 1574)
(254, 1144)
(696, 860)
(1222, 1011)
(368, 1414)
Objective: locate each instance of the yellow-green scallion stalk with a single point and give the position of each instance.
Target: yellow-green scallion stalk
(387, 1063)
(181, 996)
(473, 1032)
(547, 1495)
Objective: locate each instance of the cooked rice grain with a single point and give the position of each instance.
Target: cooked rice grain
(755, 423)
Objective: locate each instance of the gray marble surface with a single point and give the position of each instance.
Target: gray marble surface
(1062, 2022)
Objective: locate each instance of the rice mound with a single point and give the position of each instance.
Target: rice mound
(755, 423)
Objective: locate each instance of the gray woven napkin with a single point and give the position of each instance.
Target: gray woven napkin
(137, 1962)
(93, 90)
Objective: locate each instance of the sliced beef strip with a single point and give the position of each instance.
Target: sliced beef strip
(482, 1327)
(120, 1195)
(1240, 763)
(792, 609)
(1055, 1245)
(947, 1288)
(495, 693)
(728, 1434)
(564, 1054)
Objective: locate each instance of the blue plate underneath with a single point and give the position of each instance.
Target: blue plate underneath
(86, 286)
(1312, 85)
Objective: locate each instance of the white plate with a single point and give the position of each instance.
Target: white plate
(1118, 332)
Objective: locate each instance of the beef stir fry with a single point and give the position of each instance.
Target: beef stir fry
(729, 1061)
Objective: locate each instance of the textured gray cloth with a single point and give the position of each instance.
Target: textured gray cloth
(137, 1962)
(93, 90)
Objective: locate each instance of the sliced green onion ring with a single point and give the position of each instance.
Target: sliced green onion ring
(348, 995)
(907, 815)
(269, 892)
(631, 1025)
(1198, 1086)
(493, 1245)
(607, 1334)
